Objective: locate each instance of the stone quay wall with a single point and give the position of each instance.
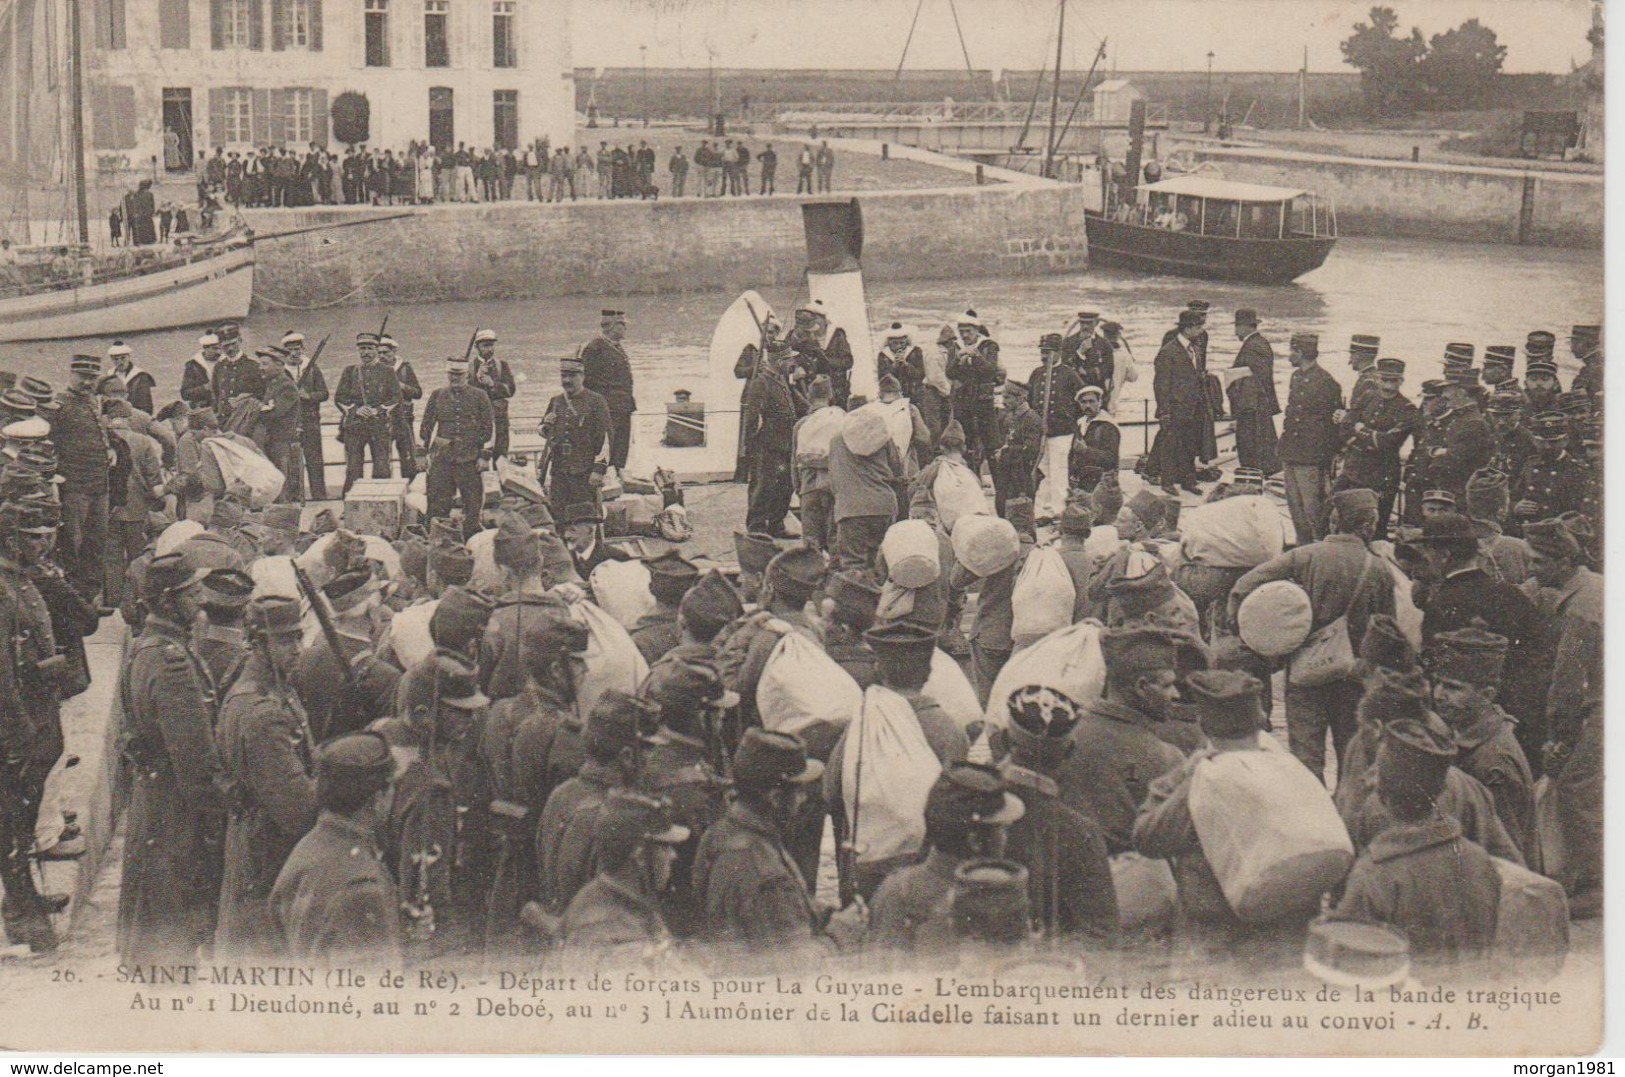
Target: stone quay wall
(1434, 201)
(516, 250)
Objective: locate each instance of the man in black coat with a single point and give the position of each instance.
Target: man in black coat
(609, 374)
(368, 392)
(976, 373)
(1097, 450)
(1462, 441)
(1181, 400)
(1309, 439)
(1052, 390)
(820, 352)
(457, 422)
(389, 353)
(277, 432)
(495, 378)
(1252, 397)
(576, 424)
(1373, 432)
(1013, 464)
(769, 421)
(307, 378)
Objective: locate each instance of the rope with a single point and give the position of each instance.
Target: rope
(351, 294)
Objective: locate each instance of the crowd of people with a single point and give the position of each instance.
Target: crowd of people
(495, 731)
(420, 174)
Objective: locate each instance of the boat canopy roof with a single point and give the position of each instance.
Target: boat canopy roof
(1195, 186)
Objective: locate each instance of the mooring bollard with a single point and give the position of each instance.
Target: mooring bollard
(885, 151)
(1416, 154)
(981, 178)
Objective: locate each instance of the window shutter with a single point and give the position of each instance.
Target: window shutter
(278, 123)
(261, 116)
(279, 25)
(316, 28)
(318, 117)
(457, 36)
(217, 24)
(256, 24)
(217, 117)
(115, 24)
(123, 106)
(174, 24)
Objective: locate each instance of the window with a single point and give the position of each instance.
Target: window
(505, 119)
(297, 30)
(377, 30)
(436, 39)
(236, 115)
(234, 24)
(301, 126)
(504, 49)
(442, 133)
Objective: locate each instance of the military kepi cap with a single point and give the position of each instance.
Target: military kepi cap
(1469, 654)
(353, 767)
(269, 615)
(767, 760)
(1227, 702)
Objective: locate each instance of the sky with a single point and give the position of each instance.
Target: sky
(1157, 35)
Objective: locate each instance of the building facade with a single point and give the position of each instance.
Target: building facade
(168, 80)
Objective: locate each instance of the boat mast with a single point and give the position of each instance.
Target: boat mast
(1055, 95)
(76, 60)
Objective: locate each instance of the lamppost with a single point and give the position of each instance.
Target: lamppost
(643, 53)
(1207, 98)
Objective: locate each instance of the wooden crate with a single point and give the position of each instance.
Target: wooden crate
(376, 507)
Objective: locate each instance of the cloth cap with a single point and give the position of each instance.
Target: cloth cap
(1107, 500)
(118, 350)
(685, 685)
(351, 768)
(711, 602)
(456, 364)
(1137, 596)
(1487, 494)
(202, 419)
(292, 337)
(551, 634)
(754, 551)
(450, 674)
(630, 818)
(1227, 702)
(35, 429)
(767, 760)
(170, 573)
(855, 598)
(889, 384)
(228, 331)
(1385, 646)
(969, 318)
(1049, 342)
(350, 589)
(673, 568)
(1506, 402)
(85, 364)
(268, 615)
(967, 795)
(208, 340)
(1200, 306)
(611, 313)
(1364, 342)
(515, 544)
(1043, 711)
(897, 331)
(1573, 403)
(1355, 507)
(458, 622)
(366, 338)
(1129, 652)
(1447, 527)
(485, 336)
(584, 513)
(1443, 497)
(1393, 695)
(821, 388)
(1390, 368)
(1540, 342)
(953, 435)
(209, 551)
(117, 409)
(1468, 654)
(1088, 390)
(901, 639)
(387, 341)
(1552, 538)
(281, 518)
(1307, 344)
(1412, 761)
(619, 720)
(1586, 332)
(800, 566)
(571, 366)
(1148, 507)
(990, 901)
(38, 388)
(1246, 316)
(1088, 317)
(229, 587)
(1076, 519)
(1548, 425)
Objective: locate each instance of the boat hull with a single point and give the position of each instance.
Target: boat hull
(213, 289)
(1187, 254)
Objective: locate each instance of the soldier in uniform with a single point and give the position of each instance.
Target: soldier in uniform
(170, 889)
(851, 613)
(1464, 670)
(438, 835)
(532, 744)
(904, 360)
(1363, 359)
(1552, 481)
(975, 372)
(265, 749)
(616, 918)
(576, 426)
(334, 902)
(389, 353)
(1464, 442)
(1585, 341)
(670, 577)
(685, 765)
(82, 448)
(1424, 439)
(819, 351)
(525, 595)
(1309, 441)
(1023, 446)
(1091, 353)
(618, 732)
(769, 421)
(307, 377)
(1253, 399)
(197, 375)
(367, 397)
(494, 377)
(1541, 387)
(457, 422)
(1499, 360)
(31, 725)
(1052, 392)
(1180, 390)
(1097, 450)
(608, 371)
(221, 643)
(967, 815)
(276, 431)
(1513, 445)
(345, 691)
(1374, 430)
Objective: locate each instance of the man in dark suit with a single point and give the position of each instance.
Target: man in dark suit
(368, 393)
(389, 353)
(576, 424)
(609, 374)
(1309, 438)
(1252, 397)
(1182, 411)
(588, 549)
(1373, 433)
(277, 432)
(457, 423)
(307, 378)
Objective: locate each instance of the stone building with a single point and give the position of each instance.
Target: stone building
(166, 80)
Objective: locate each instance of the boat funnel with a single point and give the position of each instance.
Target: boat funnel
(834, 233)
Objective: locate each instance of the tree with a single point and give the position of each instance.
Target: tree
(1462, 65)
(1390, 75)
(352, 117)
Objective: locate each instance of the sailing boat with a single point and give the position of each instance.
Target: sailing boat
(75, 293)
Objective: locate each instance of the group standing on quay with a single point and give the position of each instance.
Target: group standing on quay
(339, 746)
